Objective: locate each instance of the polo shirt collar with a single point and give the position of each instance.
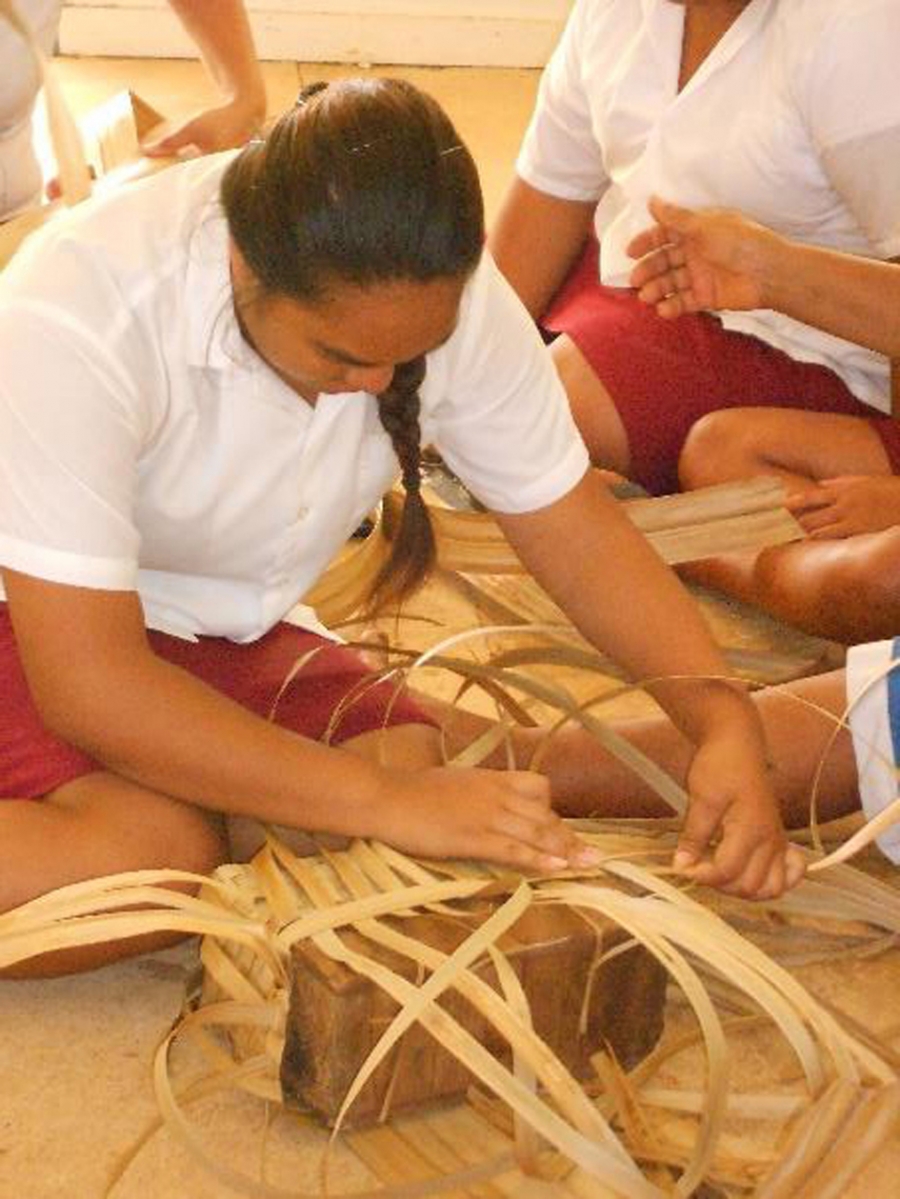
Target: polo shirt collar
(214, 340)
(658, 16)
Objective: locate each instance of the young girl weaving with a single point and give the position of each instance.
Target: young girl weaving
(208, 380)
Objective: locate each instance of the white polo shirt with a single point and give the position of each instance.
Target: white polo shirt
(146, 445)
(20, 81)
(794, 118)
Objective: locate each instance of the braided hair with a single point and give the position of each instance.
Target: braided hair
(413, 547)
(363, 181)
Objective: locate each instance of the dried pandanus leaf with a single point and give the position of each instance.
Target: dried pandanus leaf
(250, 918)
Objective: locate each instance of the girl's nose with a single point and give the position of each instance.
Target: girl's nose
(369, 378)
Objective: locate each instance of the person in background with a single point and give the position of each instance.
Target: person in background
(222, 33)
(209, 378)
(785, 109)
(843, 581)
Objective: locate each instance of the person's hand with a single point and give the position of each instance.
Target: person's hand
(493, 815)
(731, 799)
(847, 505)
(710, 259)
(219, 128)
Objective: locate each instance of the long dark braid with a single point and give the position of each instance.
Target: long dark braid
(412, 541)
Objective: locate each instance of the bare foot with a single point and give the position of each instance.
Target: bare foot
(847, 506)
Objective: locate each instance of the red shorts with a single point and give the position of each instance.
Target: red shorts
(664, 375)
(34, 762)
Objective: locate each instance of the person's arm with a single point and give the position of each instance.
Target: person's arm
(718, 259)
(98, 685)
(221, 30)
(628, 603)
(536, 239)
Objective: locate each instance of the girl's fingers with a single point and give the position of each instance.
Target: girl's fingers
(648, 240)
(526, 784)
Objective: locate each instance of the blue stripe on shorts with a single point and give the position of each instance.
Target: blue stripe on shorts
(893, 698)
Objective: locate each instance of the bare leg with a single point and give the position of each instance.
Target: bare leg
(595, 414)
(846, 589)
(97, 825)
(587, 781)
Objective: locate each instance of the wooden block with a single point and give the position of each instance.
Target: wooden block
(336, 1017)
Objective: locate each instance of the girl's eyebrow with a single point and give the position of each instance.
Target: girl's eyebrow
(341, 355)
(337, 355)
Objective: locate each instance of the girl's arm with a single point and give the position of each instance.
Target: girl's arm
(98, 685)
(718, 259)
(535, 240)
(618, 592)
(221, 30)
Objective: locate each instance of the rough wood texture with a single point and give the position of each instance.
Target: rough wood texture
(336, 1017)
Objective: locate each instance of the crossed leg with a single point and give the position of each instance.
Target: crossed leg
(102, 824)
(845, 588)
(96, 825)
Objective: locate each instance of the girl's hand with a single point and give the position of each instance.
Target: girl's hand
(497, 816)
(219, 128)
(731, 798)
(711, 259)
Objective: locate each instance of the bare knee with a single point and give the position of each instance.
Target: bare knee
(848, 590)
(97, 826)
(869, 576)
(88, 830)
(726, 445)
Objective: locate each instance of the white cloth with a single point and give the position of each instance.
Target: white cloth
(794, 118)
(20, 81)
(873, 696)
(147, 446)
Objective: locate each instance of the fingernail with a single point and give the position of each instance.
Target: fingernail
(682, 859)
(554, 863)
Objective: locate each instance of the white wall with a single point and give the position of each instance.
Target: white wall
(423, 32)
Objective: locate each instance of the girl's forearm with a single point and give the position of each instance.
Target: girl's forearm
(629, 604)
(155, 724)
(851, 297)
(221, 30)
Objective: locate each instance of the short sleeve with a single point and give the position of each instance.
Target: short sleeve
(871, 192)
(502, 422)
(70, 432)
(560, 154)
(849, 94)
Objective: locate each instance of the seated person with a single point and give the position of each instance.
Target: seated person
(786, 110)
(844, 581)
(221, 31)
(208, 380)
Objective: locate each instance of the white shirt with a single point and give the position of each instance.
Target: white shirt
(20, 82)
(147, 446)
(794, 118)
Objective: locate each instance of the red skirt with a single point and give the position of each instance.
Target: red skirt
(34, 762)
(664, 375)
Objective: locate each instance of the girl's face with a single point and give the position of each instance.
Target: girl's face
(354, 338)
